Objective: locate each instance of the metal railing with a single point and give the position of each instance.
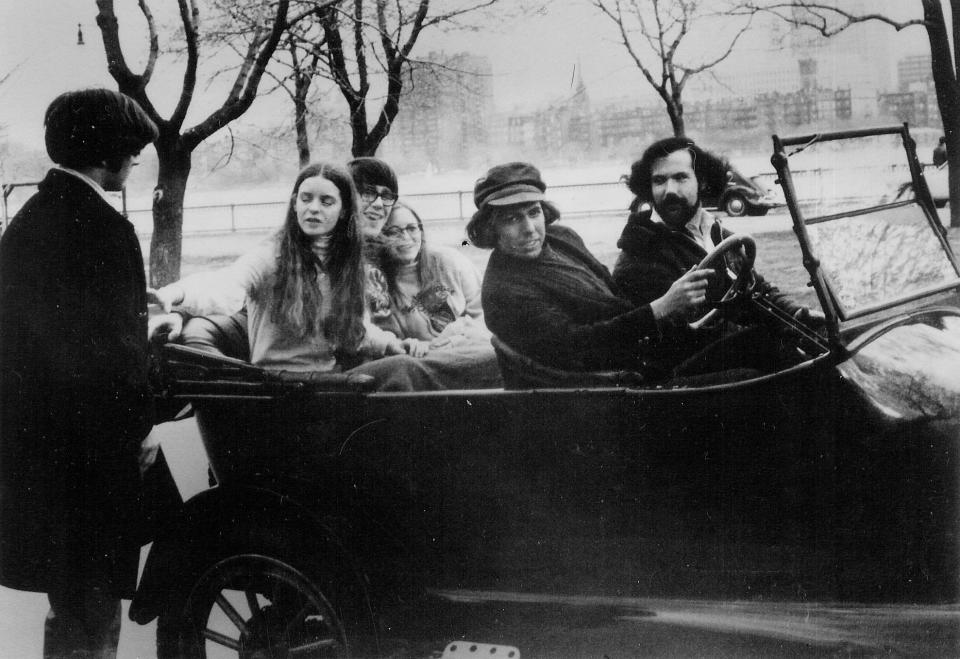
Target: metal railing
(433, 207)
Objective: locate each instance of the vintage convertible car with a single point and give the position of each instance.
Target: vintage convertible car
(806, 510)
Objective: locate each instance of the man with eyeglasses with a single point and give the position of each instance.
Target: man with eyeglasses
(377, 184)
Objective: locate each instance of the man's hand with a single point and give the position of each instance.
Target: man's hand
(685, 297)
(148, 452)
(167, 296)
(165, 327)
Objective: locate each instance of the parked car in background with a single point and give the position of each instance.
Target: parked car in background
(742, 195)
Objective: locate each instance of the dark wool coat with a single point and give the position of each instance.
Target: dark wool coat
(75, 401)
(562, 308)
(654, 256)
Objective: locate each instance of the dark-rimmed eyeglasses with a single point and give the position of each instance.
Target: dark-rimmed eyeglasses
(412, 230)
(369, 195)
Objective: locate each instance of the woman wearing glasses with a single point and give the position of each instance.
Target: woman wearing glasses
(434, 294)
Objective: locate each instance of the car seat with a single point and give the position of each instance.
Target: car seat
(218, 334)
(523, 372)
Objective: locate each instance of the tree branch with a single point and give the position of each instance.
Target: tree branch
(129, 83)
(819, 16)
(189, 17)
(239, 100)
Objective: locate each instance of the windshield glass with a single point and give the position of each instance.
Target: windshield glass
(877, 245)
(880, 257)
(854, 173)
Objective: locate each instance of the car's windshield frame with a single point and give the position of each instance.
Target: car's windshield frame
(838, 309)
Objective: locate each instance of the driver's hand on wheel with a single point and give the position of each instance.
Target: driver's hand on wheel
(685, 297)
(165, 327)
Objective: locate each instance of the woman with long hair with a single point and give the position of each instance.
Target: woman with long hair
(304, 290)
(435, 308)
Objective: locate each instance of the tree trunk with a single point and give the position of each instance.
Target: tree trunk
(361, 145)
(165, 245)
(953, 185)
(676, 120)
(300, 122)
(948, 96)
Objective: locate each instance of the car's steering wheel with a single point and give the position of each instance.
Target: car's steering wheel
(743, 279)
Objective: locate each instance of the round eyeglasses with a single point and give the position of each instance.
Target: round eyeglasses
(412, 230)
(369, 195)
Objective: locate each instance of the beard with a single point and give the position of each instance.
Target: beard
(676, 211)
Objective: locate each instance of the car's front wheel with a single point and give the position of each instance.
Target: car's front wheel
(735, 205)
(252, 607)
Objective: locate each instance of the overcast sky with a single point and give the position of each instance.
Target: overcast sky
(533, 59)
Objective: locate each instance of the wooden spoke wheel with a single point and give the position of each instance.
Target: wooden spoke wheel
(253, 607)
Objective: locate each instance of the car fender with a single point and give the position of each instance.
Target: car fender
(225, 521)
(909, 367)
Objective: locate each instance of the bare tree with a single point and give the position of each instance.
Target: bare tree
(653, 32)
(175, 146)
(359, 46)
(367, 38)
(829, 19)
(296, 62)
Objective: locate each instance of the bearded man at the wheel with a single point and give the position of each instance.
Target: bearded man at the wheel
(668, 233)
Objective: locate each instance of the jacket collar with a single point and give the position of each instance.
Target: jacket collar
(644, 227)
(86, 179)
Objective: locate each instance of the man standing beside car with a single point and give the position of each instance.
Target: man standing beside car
(76, 408)
(669, 232)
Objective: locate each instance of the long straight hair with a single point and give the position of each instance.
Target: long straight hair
(295, 299)
(429, 266)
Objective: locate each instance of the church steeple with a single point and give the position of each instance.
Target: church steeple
(579, 97)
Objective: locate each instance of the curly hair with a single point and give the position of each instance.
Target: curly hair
(482, 229)
(86, 127)
(710, 170)
(295, 298)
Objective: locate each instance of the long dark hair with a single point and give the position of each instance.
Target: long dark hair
(710, 169)
(295, 299)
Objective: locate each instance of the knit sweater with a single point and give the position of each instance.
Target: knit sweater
(562, 309)
(272, 346)
(446, 305)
